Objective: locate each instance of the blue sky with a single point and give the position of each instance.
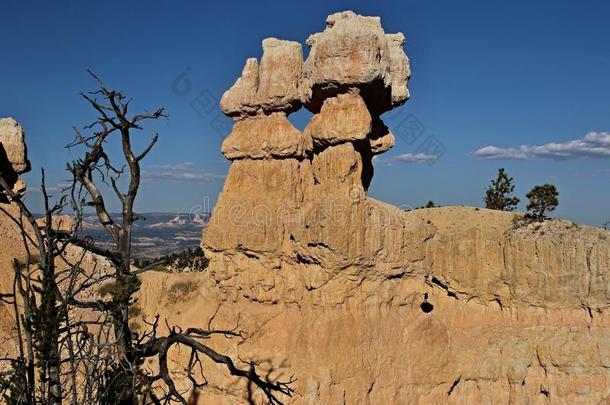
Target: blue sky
(485, 73)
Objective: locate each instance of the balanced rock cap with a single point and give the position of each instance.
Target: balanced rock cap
(354, 51)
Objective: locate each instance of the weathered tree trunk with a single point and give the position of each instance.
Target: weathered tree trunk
(50, 318)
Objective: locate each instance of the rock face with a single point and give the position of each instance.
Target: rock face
(13, 161)
(272, 86)
(354, 51)
(361, 301)
(13, 153)
(12, 139)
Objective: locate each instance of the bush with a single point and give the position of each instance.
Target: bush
(135, 311)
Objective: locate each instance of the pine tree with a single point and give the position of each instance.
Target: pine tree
(542, 199)
(498, 194)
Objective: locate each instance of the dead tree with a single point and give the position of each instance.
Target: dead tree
(94, 172)
(113, 121)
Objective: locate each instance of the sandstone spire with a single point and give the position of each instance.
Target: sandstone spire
(260, 100)
(13, 153)
(354, 72)
(295, 195)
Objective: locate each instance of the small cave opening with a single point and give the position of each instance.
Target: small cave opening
(425, 306)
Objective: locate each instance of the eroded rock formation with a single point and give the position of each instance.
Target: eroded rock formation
(13, 161)
(363, 302)
(305, 188)
(13, 154)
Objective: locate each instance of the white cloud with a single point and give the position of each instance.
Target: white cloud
(493, 152)
(406, 158)
(173, 166)
(183, 171)
(182, 176)
(57, 188)
(593, 144)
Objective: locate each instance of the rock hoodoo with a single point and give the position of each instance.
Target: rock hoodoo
(13, 153)
(305, 189)
(366, 303)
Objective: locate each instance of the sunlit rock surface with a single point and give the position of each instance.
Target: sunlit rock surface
(365, 303)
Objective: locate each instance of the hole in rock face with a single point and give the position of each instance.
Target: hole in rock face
(425, 306)
(300, 118)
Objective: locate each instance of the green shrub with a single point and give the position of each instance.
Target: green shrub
(135, 310)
